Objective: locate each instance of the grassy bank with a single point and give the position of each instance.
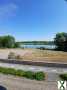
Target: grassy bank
(22, 73)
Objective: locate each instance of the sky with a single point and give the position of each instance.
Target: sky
(28, 20)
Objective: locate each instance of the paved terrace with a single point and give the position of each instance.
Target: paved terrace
(52, 69)
(16, 83)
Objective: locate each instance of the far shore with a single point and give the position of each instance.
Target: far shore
(35, 55)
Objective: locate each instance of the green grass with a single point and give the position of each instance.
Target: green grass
(22, 73)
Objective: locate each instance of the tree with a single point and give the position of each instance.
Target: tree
(16, 45)
(0, 41)
(61, 41)
(7, 41)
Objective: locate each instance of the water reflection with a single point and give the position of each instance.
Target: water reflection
(38, 46)
(2, 88)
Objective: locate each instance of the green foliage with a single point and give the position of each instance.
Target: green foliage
(7, 71)
(16, 45)
(29, 74)
(36, 43)
(61, 41)
(21, 73)
(7, 41)
(63, 76)
(39, 76)
(10, 71)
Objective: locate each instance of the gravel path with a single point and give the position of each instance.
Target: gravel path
(5, 52)
(16, 83)
(35, 68)
(52, 72)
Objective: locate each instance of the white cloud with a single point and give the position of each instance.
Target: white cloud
(8, 10)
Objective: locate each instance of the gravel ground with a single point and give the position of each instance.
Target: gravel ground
(35, 68)
(36, 55)
(16, 83)
(5, 52)
(52, 72)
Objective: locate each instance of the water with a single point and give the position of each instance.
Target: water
(38, 46)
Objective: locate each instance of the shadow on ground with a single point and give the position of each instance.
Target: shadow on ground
(2, 88)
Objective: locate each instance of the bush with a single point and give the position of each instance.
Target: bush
(10, 71)
(2, 70)
(16, 45)
(7, 70)
(21, 73)
(63, 76)
(29, 74)
(60, 41)
(39, 76)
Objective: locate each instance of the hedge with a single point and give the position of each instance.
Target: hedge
(63, 76)
(22, 73)
(39, 76)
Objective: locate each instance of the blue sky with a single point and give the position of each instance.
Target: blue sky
(33, 19)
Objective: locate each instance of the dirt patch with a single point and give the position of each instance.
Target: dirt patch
(36, 54)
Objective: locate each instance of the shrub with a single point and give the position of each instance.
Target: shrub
(10, 71)
(63, 76)
(60, 41)
(39, 76)
(7, 70)
(2, 70)
(20, 73)
(16, 45)
(29, 74)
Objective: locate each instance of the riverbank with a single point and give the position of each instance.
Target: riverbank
(36, 55)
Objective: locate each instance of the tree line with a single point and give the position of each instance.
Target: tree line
(60, 41)
(36, 42)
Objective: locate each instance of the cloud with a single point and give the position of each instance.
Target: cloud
(8, 10)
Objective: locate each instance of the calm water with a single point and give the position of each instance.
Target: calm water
(38, 46)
